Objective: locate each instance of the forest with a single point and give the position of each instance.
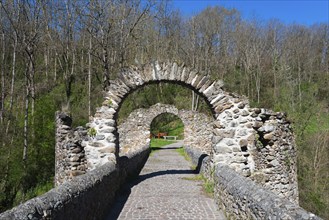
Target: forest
(61, 55)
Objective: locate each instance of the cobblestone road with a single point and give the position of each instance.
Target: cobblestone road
(163, 191)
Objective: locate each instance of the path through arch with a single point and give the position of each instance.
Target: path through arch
(166, 189)
(257, 143)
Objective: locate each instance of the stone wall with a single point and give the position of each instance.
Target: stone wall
(70, 160)
(101, 146)
(88, 196)
(257, 143)
(241, 198)
(134, 132)
(275, 154)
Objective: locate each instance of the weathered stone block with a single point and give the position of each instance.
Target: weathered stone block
(108, 150)
(223, 148)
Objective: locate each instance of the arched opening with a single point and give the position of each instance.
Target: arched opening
(166, 128)
(165, 92)
(177, 94)
(223, 106)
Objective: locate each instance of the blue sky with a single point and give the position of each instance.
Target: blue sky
(305, 12)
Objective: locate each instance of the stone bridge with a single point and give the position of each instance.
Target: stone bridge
(249, 153)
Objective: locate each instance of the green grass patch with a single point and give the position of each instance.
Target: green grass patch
(176, 128)
(157, 144)
(169, 123)
(38, 190)
(182, 152)
(194, 178)
(318, 123)
(207, 186)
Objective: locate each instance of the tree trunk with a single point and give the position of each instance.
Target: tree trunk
(2, 106)
(12, 84)
(26, 118)
(46, 57)
(89, 77)
(192, 106)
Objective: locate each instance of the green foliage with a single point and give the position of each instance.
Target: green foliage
(169, 123)
(208, 187)
(158, 143)
(165, 93)
(38, 190)
(109, 103)
(286, 64)
(92, 132)
(182, 152)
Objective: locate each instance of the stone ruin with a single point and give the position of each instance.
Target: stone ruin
(257, 143)
(134, 132)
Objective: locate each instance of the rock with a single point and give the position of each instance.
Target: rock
(217, 124)
(267, 128)
(107, 130)
(224, 133)
(100, 137)
(236, 111)
(257, 124)
(77, 172)
(242, 132)
(74, 159)
(223, 148)
(243, 143)
(216, 139)
(111, 138)
(244, 113)
(76, 150)
(275, 163)
(236, 148)
(107, 150)
(257, 111)
(96, 144)
(230, 142)
(241, 105)
(268, 136)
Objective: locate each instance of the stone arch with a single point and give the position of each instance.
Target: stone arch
(246, 139)
(130, 79)
(134, 132)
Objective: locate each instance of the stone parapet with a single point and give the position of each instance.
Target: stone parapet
(241, 198)
(85, 197)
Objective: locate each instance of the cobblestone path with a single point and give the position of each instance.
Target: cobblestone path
(164, 190)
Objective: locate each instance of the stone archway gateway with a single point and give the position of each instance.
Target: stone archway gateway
(257, 143)
(134, 132)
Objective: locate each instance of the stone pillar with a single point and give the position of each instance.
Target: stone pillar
(63, 131)
(70, 158)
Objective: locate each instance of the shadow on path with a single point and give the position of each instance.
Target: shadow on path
(125, 191)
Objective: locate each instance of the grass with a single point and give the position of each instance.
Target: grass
(182, 152)
(317, 123)
(157, 144)
(176, 128)
(207, 186)
(38, 190)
